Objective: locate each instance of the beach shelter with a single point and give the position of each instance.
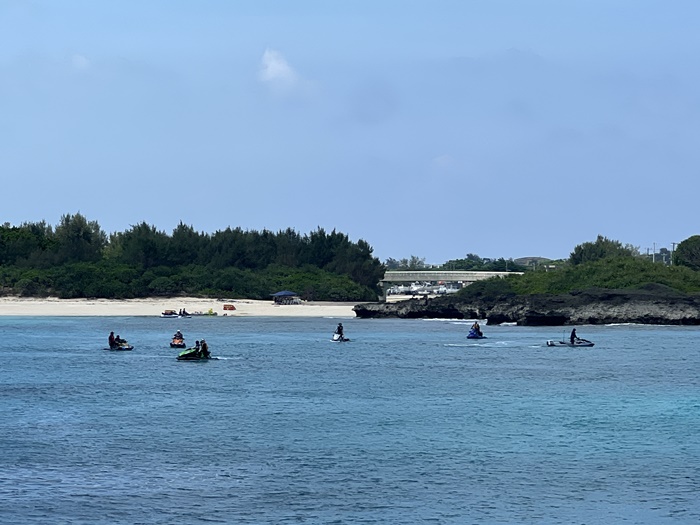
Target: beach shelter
(284, 293)
(284, 297)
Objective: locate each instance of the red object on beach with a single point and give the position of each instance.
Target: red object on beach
(229, 307)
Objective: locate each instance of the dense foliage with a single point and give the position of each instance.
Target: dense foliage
(473, 262)
(609, 273)
(601, 248)
(688, 253)
(77, 260)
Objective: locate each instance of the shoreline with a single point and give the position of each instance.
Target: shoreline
(53, 306)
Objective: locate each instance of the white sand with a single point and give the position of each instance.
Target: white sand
(154, 307)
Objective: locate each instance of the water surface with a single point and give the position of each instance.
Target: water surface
(408, 423)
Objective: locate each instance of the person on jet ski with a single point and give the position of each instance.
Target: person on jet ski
(204, 349)
(112, 342)
(178, 335)
(477, 329)
(573, 338)
(339, 330)
(118, 340)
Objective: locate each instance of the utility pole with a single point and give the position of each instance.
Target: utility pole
(673, 249)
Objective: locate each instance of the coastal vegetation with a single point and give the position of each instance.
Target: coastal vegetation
(602, 264)
(602, 282)
(78, 259)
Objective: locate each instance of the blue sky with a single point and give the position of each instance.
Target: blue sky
(504, 128)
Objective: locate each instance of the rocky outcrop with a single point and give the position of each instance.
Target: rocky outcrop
(653, 304)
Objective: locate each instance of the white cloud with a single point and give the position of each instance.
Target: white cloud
(80, 62)
(280, 77)
(274, 68)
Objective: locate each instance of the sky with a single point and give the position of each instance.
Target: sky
(502, 128)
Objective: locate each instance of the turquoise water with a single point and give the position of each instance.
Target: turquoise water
(409, 423)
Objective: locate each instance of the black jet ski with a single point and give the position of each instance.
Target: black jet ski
(337, 338)
(120, 347)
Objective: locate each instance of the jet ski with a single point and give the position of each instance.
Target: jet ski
(193, 354)
(120, 347)
(473, 334)
(583, 343)
(177, 343)
(337, 338)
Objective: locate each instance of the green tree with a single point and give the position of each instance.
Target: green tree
(289, 246)
(143, 246)
(688, 253)
(600, 249)
(391, 264)
(226, 248)
(29, 245)
(412, 263)
(79, 240)
(185, 245)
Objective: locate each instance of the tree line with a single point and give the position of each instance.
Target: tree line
(471, 262)
(76, 258)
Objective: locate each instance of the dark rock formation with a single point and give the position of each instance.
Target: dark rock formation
(653, 304)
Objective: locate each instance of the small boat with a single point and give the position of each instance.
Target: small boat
(583, 343)
(172, 314)
(337, 338)
(177, 343)
(473, 334)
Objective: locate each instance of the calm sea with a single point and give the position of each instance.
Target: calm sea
(408, 423)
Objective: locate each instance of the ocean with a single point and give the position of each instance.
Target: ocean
(409, 422)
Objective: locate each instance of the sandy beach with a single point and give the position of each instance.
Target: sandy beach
(22, 306)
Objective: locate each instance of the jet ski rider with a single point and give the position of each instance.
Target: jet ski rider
(477, 328)
(339, 330)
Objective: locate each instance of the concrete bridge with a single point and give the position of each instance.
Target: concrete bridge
(434, 276)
